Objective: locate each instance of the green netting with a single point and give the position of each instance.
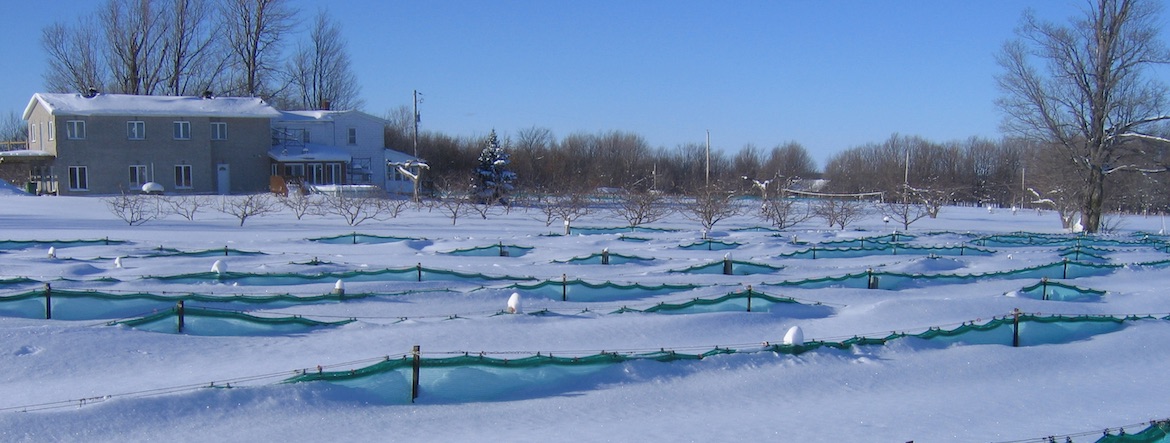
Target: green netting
(577, 290)
(214, 322)
(756, 229)
(500, 250)
(737, 268)
(611, 258)
(871, 241)
(1156, 432)
(633, 239)
(356, 238)
(1034, 239)
(25, 244)
(711, 245)
(220, 252)
(416, 273)
(1078, 253)
(590, 230)
(742, 301)
(815, 252)
(1051, 290)
(16, 281)
(95, 305)
(440, 377)
(895, 280)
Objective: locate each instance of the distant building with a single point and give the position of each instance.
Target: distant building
(96, 143)
(336, 147)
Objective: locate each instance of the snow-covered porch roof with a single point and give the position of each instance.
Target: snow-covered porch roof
(309, 153)
(25, 156)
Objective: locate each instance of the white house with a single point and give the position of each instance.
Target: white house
(359, 135)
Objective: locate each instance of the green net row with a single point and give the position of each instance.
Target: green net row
(214, 322)
(821, 251)
(500, 250)
(356, 238)
(730, 267)
(1021, 330)
(25, 244)
(611, 258)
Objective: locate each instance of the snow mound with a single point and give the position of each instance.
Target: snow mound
(8, 189)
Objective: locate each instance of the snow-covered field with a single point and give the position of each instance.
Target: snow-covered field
(82, 379)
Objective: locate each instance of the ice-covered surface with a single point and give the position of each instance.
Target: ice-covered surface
(123, 384)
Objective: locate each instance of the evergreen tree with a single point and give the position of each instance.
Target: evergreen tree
(493, 178)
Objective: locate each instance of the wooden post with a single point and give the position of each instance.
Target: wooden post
(871, 280)
(1016, 328)
(1065, 268)
(503, 251)
(414, 369)
(1044, 284)
(605, 256)
(727, 266)
(564, 287)
(355, 237)
(180, 313)
(962, 248)
(418, 269)
(48, 301)
(749, 294)
(225, 250)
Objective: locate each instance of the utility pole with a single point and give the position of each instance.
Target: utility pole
(708, 176)
(416, 123)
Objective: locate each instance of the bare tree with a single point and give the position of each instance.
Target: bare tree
(186, 205)
(134, 209)
(357, 208)
(906, 209)
(136, 44)
(246, 206)
(320, 69)
(1093, 96)
(839, 211)
(74, 57)
(301, 204)
(255, 30)
(711, 204)
(638, 207)
(455, 195)
(780, 210)
(193, 59)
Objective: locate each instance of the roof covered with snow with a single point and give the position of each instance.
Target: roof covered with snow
(151, 105)
(310, 152)
(322, 116)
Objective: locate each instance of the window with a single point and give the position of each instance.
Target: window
(294, 170)
(218, 131)
(78, 178)
(305, 136)
(136, 130)
(52, 130)
(75, 129)
(182, 130)
(183, 177)
(333, 172)
(32, 132)
(353, 136)
(137, 176)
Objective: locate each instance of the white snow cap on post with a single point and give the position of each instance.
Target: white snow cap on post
(795, 336)
(52, 252)
(339, 286)
(219, 267)
(118, 262)
(514, 304)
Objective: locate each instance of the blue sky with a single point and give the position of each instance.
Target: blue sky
(830, 74)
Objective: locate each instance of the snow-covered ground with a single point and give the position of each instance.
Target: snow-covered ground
(87, 380)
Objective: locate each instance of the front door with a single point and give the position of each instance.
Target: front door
(223, 179)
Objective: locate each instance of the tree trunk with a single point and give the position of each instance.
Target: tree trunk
(1094, 201)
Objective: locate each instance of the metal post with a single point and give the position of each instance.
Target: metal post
(179, 312)
(564, 287)
(1016, 328)
(749, 294)
(414, 369)
(48, 302)
(418, 269)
